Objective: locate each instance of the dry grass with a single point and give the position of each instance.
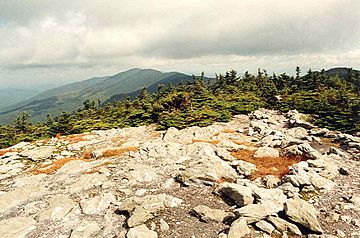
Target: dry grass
(87, 155)
(54, 166)
(213, 142)
(216, 134)
(2, 152)
(96, 169)
(155, 134)
(330, 142)
(230, 131)
(267, 166)
(246, 143)
(119, 151)
(72, 139)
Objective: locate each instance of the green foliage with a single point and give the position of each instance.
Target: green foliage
(332, 101)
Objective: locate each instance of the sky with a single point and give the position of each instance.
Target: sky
(51, 42)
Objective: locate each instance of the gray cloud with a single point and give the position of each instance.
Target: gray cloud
(43, 40)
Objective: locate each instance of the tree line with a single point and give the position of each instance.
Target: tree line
(333, 102)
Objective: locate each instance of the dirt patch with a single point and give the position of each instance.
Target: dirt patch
(278, 166)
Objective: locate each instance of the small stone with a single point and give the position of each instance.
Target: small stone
(271, 181)
(356, 222)
(163, 225)
(346, 219)
(344, 171)
(238, 229)
(265, 226)
(340, 233)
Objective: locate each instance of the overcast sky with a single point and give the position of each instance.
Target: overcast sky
(55, 42)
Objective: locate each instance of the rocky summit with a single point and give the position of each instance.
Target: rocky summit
(267, 174)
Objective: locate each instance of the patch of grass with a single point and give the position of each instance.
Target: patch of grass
(230, 131)
(213, 142)
(54, 166)
(72, 139)
(278, 167)
(119, 151)
(2, 152)
(88, 155)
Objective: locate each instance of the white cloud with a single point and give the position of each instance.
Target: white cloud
(76, 38)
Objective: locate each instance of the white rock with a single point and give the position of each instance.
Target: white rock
(204, 213)
(303, 213)
(240, 195)
(141, 232)
(238, 229)
(59, 207)
(266, 152)
(97, 204)
(17, 227)
(86, 229)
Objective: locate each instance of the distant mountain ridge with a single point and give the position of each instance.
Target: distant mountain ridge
(342, 72)
(71, 96)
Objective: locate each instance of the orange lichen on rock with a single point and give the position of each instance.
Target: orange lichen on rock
(119, 151)
(2, 152)
(213, 142)
(278, 167)
(54, 166)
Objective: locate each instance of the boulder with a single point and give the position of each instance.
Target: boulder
(207, 214)
(86, 229)
(256, 212)
(266, 152)
(283, 225)
(141, 232)
(238, 194)
(243, 167)
(274, 195)
(39, 153)
(238, 229)
(271, 181)
(296, 132)
(303, 213)
(142, 209)
(97, 204)
(265, 226)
